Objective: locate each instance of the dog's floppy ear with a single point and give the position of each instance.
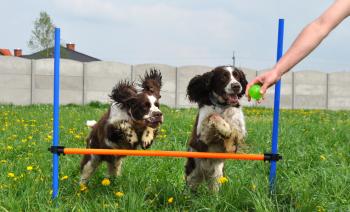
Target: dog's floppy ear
(199, 88)
(239, 74)
(123, 92)
(152, 82)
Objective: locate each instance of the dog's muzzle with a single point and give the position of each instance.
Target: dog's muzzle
(155, 120)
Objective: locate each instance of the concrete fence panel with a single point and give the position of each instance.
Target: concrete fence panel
(24, 82)
(15, 80)
(169, 80)
(338, 90)
(184, 75)
(310, 90)
(71, 81)
(100, 78)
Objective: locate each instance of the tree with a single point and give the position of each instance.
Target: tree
(43, 34)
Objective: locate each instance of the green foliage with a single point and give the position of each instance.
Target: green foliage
(42, 36)
(97, 104)
(314, 174)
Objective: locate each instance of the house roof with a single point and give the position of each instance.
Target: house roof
(65, 53)
(5, 52)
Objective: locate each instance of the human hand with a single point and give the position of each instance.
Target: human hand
(266, 80)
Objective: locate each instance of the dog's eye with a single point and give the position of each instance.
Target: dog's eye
(156, 104)
(147, 104)
(224, 77)
(235, 74)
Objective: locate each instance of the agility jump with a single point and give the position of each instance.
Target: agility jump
(57, 150)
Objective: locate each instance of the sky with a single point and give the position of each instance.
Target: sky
(181, 32)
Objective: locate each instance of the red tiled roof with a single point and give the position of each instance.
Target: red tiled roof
(5, 52)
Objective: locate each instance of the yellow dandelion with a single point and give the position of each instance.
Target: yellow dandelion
(171, 200)
(253, 187)
(29, 168)
(162, 130)
(106, 182)
(11, 174)
(119, 194)
(320, 209)
(77, 136)
(49, 137)
(30, 137)
(9, 147)
(83, 187)
(65, 177)
(322, 157)
(222, 180)
(3, 161)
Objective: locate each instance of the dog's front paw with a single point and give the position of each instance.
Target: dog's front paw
(123, 125)
(147, 137)
(220, 125)
(126, 128)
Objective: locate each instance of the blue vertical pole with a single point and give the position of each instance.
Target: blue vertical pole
(56, 113)
(276, 109)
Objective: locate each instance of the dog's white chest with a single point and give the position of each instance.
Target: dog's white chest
(232, 115)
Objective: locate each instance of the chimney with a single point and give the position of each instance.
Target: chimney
(17, 52)
(70, 46)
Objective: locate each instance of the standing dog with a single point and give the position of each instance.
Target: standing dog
(219, 126)
(131, 121)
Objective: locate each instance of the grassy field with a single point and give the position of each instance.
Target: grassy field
(314, 174)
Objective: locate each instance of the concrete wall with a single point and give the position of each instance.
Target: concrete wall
(310, 90)
(25, 82)
(15, 80)
(338, 90)
(71, 81)
(100, 77)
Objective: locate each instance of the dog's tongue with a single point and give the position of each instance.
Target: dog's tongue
(232, 98)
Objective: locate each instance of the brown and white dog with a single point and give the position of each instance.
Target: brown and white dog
(219, 125)
(131, 121)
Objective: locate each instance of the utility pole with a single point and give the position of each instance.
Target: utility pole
(233, 59)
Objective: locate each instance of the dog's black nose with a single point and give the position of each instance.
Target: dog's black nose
(236, 87)
(157, 114)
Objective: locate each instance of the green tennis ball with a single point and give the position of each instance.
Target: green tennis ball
(254, 92)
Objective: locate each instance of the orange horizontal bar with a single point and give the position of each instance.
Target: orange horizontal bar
(164, 153)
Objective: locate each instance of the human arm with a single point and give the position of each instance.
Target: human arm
(309, 38)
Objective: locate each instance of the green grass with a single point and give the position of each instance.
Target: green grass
(314, 174)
